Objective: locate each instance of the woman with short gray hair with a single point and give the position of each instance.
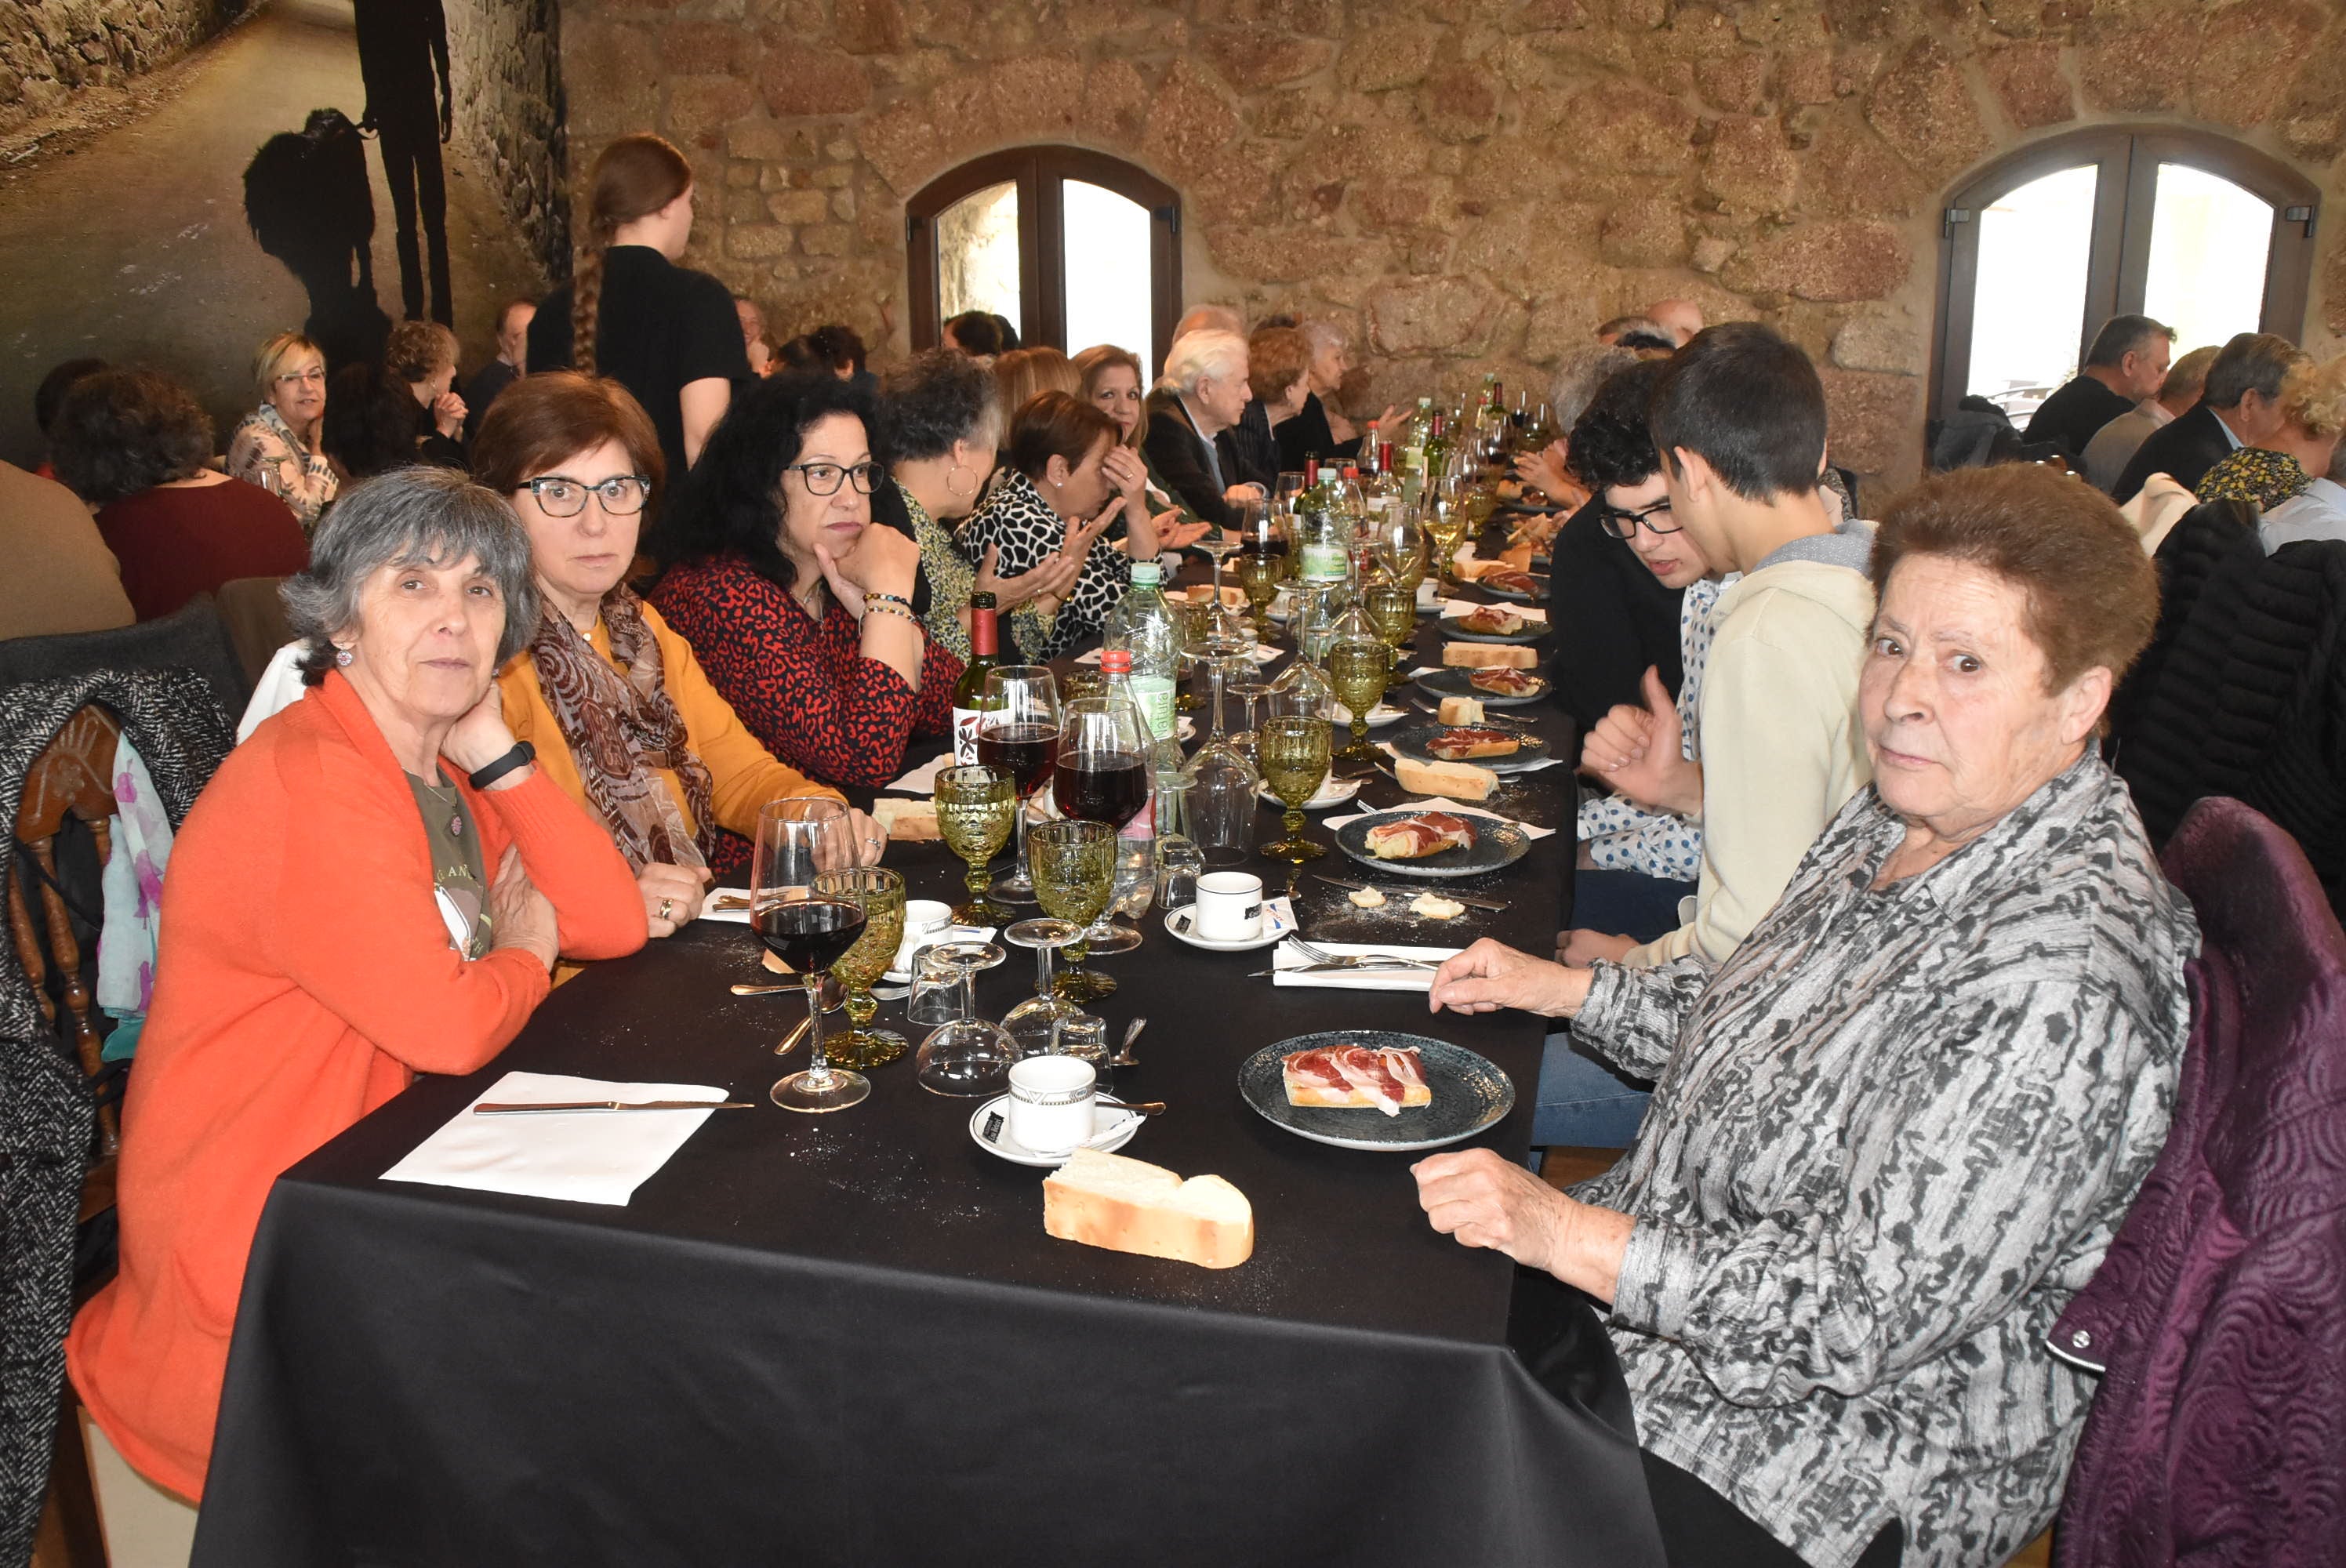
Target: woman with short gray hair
(376, 884)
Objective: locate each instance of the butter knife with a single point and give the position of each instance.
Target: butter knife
(1405, 894)
(500, 1108)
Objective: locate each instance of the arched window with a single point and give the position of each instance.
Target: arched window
(1075, 247)
(2207, 235)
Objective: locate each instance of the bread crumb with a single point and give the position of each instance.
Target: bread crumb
(1433, 906)
(1367, 899)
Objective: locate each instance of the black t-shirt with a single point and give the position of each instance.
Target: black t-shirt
(659, 328)
(2073, 414)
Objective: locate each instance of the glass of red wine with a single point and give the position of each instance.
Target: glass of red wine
(1102, 776)
(1018, 735)
(805, 931)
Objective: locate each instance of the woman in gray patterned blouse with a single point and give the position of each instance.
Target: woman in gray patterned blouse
(1896, 1130)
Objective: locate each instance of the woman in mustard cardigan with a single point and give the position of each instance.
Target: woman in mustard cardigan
(376, 884)
(615, 702)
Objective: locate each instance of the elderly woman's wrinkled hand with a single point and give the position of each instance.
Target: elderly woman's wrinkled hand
(672, 895)
(520, 915)
(1484, 1201)
(1490, 976)
(1126, 470)
(1582, 947)
(865, 838)
(1172, 534)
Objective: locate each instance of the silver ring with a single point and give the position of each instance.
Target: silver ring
(667, 909)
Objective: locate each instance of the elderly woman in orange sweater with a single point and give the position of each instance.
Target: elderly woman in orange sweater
(377, 883)
(619, 708)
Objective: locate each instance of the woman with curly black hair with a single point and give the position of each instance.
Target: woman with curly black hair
(799, 609)
(135, 444)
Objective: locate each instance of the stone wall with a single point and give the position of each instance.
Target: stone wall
(505, 69)
(50, 48)
(1469, 182)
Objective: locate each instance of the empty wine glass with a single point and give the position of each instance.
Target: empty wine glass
(975, 807)
(1294, 763)
(965, 1055)
(806, 931)
(1019, 735)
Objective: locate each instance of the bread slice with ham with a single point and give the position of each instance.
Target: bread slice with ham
(1463, 745)
(1130, 1206)
(1503, 682)
(1416, 837)
(1349, 1076)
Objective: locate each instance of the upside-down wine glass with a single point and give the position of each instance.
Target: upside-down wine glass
(1019, 735)
(806, 931)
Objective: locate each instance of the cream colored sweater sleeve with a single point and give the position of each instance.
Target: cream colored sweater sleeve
(1782, 752)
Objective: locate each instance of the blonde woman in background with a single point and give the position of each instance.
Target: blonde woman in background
(277, 446)
(667, 333)
(1113, 380)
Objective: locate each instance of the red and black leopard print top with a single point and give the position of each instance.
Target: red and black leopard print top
(803, 689)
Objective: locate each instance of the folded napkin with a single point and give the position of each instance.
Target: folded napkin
(1263, 654)
(922, 780)
(1440, 803)
(898, 974)
(591, 1156)
(1522, 612)
(1285, 961)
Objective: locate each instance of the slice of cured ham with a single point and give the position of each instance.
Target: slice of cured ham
(1343, 1076)
(1459, 744)
(1505, 682)
(1493, 619)
(1414, 838)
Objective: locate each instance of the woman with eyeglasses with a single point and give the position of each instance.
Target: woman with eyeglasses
(619, 712)
(800, 610)
(277, 446)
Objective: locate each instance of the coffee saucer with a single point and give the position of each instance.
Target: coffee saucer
(1277, 925)
(989, 1128)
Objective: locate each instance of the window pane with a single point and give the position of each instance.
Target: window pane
(2029, 309)
(1107, 256)
(977, 255)
(2208, 243)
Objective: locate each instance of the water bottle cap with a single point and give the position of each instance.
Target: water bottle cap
(1148, 572)
(1115, 661)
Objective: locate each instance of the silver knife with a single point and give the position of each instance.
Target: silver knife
(1405, 894)
(498, 1108)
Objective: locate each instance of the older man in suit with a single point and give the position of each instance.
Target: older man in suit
(2238, 407)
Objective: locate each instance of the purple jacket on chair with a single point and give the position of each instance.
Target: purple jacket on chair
(2218, 1316)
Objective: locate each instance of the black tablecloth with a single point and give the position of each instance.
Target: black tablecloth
(846, 1339)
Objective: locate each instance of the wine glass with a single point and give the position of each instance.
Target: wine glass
(1216, 545)
(1294, 761)
(1073, 865)
(965, 1055)
(1102, 776)
(1250, 692)
(879, 892)
(975, 807)
(1392, 608)
(1357, 671)
(1445, 525)
(1259, 580)
(806, 931)
(1018, 736)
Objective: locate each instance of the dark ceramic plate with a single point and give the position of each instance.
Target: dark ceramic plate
(1470, 1094)
(1453, 683)
(1496, 846)
(1411, 743)
(1539, 590)
(1452, 627)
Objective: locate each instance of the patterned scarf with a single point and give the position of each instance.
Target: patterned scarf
(2262, 478)
(622, 728)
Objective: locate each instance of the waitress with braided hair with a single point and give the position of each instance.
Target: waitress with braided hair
(667, 333)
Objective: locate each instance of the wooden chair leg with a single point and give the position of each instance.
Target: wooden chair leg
(28, 946)
(67, 953)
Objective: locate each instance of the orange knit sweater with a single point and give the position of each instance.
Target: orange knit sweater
(304, 976)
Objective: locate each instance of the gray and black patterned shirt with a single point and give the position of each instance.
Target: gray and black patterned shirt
(1891, 1137)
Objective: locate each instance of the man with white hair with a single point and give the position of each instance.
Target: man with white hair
(1681, 318)
(1202, 398)
(1210, 319)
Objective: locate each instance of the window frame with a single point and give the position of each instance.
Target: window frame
(2126, 161)
(1039, 172)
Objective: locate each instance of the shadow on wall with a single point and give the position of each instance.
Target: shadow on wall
(307, 200)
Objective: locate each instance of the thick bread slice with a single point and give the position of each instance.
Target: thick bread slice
(1489, 655)
(907, 821)
(1459, 780)
(1350, 1099)
(1461, 710)
(1130, 1206)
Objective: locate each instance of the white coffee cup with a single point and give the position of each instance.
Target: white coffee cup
(926, 921)
(1229, 906)
(1050, 1105)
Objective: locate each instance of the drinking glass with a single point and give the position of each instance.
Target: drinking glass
(1073, 865)
(1221, 801)
(1248, 692)
(1216, 544)
(1294, 761)
(1290, 485)
(807, 931)
(1392, 608)
(975, 807)
(964, 1056)
(1084, 1037)
(1019, 736)
(1445, 524)
(1259, 580)
(1358, 671)
(1102, 776)
(879, 892)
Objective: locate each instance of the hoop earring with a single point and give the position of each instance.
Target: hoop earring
(954, 489)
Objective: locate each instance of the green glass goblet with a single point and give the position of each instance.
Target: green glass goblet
(975, 807)
(1357, 673)
(1294, 760)
(879, 892)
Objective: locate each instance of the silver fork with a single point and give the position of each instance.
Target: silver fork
(1357, 960)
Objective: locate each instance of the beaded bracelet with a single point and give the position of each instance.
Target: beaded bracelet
(887, 598)
(897, 609)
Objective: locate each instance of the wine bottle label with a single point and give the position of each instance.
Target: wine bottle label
(1321, 563)
(1154, 693)
(965, 735)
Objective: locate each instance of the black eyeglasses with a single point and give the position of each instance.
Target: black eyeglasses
(1624, 524)
(558, 495)
(822, 478)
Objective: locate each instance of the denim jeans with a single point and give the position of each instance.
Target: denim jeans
(1583, 1103)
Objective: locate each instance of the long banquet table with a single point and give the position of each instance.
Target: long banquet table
(846, 1339)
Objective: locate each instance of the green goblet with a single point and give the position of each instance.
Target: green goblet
(975, 806)
(1294, 761)
(1357, 673)
(879, 892)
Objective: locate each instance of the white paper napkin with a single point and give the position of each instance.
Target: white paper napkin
(1442, 803)
(1284, 959)
(1263, 654)
(898, 974)
(922, 780)
(586, 1156)
(1522, 612)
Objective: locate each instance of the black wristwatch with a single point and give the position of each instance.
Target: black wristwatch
(521, 755)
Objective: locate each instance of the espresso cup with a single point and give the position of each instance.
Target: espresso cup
(1051, 1101)
(1229, 906)
(926, 921)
